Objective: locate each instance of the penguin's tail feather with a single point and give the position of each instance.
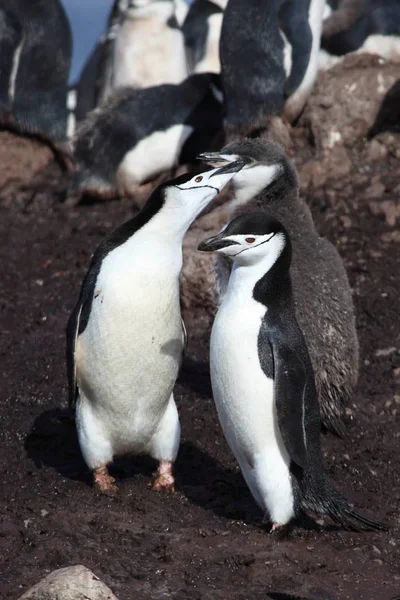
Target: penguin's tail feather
(328, 501)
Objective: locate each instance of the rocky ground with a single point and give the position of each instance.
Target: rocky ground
(206, 541)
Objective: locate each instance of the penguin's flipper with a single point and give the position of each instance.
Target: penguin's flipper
(294, 24)
(11, 40)
(72, 336)
(290, 390)
(185, 336)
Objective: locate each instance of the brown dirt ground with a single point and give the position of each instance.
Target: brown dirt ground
(206, 541)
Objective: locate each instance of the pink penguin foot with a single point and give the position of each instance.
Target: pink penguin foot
(103, 482)
(164, 479)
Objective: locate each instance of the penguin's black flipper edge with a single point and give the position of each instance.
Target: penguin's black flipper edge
(72, 336)
(290, 389)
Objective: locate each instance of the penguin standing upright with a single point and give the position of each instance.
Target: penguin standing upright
(269, 57)
(202, 30)
(149, 47)
(322, 294)
(41, 64)
(139, 134)
(263, 382)
(125, 335)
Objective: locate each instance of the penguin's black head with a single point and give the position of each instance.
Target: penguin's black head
(251, 239)
(266, 163)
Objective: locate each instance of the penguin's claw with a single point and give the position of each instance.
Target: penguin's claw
(164, 479)
(281, 531)
(161, 484)
(104, 483)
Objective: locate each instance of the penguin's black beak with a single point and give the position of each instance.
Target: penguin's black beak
(214, 243)
(219, 158)
(230, 167)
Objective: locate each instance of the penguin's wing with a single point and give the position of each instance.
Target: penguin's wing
(290, 387)
(293, 20)
(72, 336)
(184, 334)
(76, 323)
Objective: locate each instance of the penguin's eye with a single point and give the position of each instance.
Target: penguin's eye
(198, 179)
(250, 240)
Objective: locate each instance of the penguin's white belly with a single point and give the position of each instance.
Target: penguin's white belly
(148, 54)
(154, 154)
(128, 357)
(244, 397)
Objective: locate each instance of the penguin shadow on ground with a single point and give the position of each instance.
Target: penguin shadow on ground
(208, 484)
(53, 442)
(194, 375)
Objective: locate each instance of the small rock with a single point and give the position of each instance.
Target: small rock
(375, 150)
(70, 583)
(376, 550)
(389, 208)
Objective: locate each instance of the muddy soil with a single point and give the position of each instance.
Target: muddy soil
(207, 541)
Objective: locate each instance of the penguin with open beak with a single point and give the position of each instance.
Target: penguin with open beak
(125, 335)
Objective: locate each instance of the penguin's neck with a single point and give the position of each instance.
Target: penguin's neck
(267, 282)
(273, 182)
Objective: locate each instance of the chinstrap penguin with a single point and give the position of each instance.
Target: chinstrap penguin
(273, 46)
(125, 335)
(149, 47)
(38, 81)
(322, 294)
(140, 134)
(202, 30)
(263, 382)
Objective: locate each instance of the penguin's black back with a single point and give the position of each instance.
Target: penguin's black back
(110, 132)
(251, 53)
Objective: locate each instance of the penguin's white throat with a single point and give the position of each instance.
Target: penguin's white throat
(251, 180)
(251, 265)
(180, 209)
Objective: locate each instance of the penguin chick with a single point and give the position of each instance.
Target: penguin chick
(322, 294)
(139, 134)
(125, 335)
(263, 382)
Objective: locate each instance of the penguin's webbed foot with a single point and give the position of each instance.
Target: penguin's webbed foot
(164, 479)
(281, 531)
(103, 482)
